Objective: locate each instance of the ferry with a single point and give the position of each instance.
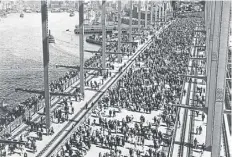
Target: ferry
(56, 11)
(76, 29)
(94, 39)
(51, 38)
(37, 10)
(22, 15)
(72, 14)
(27, 10)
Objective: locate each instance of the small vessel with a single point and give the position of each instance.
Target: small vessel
(51, 38)
(94, 39)
(22, 15)
(27, 10)
(37, 10)
(76, 29)
(56, 10)
(72, 14)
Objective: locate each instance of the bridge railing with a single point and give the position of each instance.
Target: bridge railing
(32, 111)
(171, 148)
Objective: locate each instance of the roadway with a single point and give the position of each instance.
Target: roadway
(79, 110)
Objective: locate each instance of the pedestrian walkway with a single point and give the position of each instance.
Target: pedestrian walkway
(200, 117)
(195, 124)
(182, 121)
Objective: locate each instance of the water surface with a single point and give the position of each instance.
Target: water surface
(21, 54)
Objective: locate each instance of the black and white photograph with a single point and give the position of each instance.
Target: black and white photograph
(115, 78)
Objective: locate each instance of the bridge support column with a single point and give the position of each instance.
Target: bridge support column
(139, 16)
(81, 45)
(44, 15)
(146, 14)
(205, 14)
(151, 15)
(164, 12)
(119, 31)
(160, 13)
(208, 20)
(103, 19)
(221, 75)
(130, 26)
(212, 67)
(156, 19)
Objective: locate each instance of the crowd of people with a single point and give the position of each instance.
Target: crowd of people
(151, 85)
(55, 86)
(62, 113)
(126, 20)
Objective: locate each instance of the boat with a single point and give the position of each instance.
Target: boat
(51, 38)
(76, 30)
(56, 10)
(27, 10)
(37, 10)
(22, 15)
(93, 40)
(72, 14)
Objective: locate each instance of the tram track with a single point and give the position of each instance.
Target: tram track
(226, 132)
(171, 148)
(192, 115)
(186, 113)
(93, 100)
(190, 129)
(225, 140)
(183, 129)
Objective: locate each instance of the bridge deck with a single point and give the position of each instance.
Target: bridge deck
(61, 128)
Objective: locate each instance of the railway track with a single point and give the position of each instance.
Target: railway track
(183, 129)
(191, 124)
(170, 151)
(190, 131)
(94, 99)
(225, 140)
(185, 117)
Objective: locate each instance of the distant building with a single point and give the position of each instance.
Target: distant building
(56, 4)
(136, 15)
(7, 4)
(32, 4)
(63, 4)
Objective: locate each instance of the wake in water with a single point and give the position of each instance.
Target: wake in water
(58, 48)
(68, 43)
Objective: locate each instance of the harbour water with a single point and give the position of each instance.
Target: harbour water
(21, 62)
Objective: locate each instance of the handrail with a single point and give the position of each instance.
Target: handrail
(19, 120)
(170, 152)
